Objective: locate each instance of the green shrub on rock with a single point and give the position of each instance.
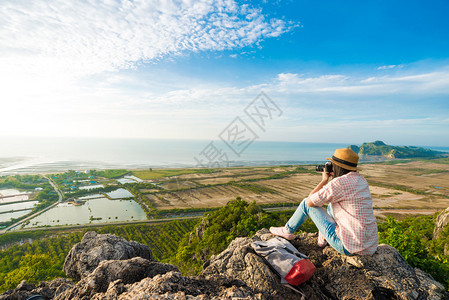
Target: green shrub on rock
(217, 230)
(412, 237)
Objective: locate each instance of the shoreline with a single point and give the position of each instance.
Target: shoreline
(47, 155)
(58, 167)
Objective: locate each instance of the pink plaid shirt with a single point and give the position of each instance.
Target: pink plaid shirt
(352, 207)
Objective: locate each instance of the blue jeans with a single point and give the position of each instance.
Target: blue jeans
(323, 220)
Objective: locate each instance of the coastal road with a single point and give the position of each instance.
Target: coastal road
(14, 210)
(155, 221)
(55, 187)
(383, 213)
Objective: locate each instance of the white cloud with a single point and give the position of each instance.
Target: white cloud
(422, 82)
(297, 82)
(86, 37)
(388, 67)
(47, 46)
(111, 97)
(49, 51)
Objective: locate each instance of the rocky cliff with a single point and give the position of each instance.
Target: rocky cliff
(441, 229)
(109, 267)
(441, 223)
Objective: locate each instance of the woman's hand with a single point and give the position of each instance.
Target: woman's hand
(324, 180)
(325, 176)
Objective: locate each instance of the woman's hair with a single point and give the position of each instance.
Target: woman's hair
(339, 171)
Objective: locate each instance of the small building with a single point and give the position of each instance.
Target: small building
(79, 202)
(38, 189)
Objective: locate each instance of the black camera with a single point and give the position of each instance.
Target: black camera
(327, 166)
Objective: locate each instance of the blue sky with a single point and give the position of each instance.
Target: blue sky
(347, 71)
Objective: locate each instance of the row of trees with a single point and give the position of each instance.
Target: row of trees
(23, 182)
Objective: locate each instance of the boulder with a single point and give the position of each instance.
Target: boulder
(138, 278)
(384, 275)
(174, 286)
(85, 256)
(240, 261)
(108, 271)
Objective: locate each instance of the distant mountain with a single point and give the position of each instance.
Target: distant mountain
(380, 149)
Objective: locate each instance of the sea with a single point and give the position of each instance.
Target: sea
(45, 155)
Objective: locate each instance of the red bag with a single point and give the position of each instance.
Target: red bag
(292, 266)
(301, 272)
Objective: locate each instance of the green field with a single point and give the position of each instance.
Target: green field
(161, 173)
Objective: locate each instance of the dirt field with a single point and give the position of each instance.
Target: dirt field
(418, 175)
(415, 187)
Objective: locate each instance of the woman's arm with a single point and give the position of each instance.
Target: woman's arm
(324, 180)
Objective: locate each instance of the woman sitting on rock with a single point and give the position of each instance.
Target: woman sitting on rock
(349, 225)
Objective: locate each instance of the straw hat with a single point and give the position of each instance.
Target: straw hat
(345, 158)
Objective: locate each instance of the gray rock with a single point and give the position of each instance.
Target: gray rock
(174, 286)
(85, 256)
(384, 275)
(199, 230)
(240, 261)
(441, 222)
(47, 289)
(109, 271)
(139, 278)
